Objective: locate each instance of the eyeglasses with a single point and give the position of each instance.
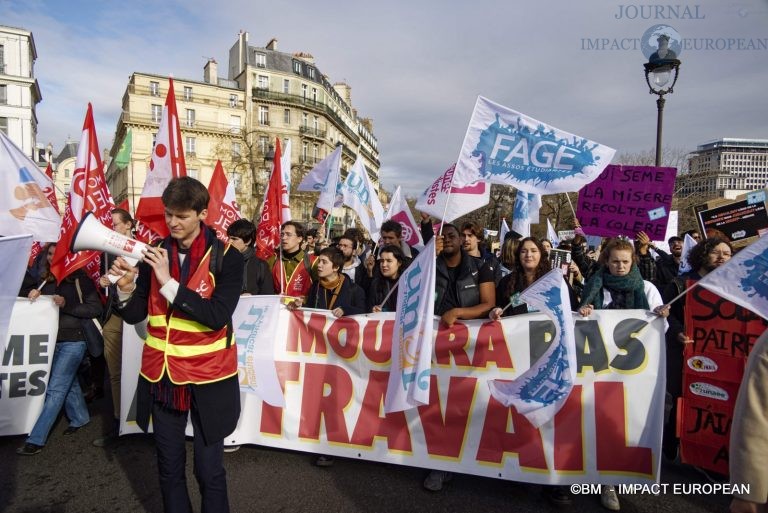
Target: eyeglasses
(286, 235)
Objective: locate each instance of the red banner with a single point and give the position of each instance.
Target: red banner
(713, 366)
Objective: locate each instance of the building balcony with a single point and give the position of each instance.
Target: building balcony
(196, 98)
(309, 161)
(195, 126)
(312, 132)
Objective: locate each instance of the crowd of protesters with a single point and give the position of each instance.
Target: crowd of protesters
(346, 275)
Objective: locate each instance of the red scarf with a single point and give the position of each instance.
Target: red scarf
(195, 253)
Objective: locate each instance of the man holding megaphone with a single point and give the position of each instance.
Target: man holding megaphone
(187, 288)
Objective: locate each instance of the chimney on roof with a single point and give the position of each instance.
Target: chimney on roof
(344, 91)
(210, 72)
(272, 45)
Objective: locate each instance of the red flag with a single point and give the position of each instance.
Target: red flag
(268, 231)
(222, 207)
(125, 205)
(88, 192)
(167, 162)
(50, 194)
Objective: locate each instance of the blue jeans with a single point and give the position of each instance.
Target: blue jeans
(63, 390)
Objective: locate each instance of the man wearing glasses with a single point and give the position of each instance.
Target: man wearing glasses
(292, 266)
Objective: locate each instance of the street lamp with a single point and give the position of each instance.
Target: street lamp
(659, 73)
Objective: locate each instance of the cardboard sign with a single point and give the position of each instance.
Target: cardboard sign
(713, 367)
(625, 200)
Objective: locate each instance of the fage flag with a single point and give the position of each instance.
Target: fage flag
(541, 391)
(506, 147)
(413, 334)
(744, 278)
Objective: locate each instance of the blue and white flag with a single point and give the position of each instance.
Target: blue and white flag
(552, 234)
(503, 229)
(744, 278)
(255, 356)
(688, 244)
(325, 178)
(506, 147)
(526, 212)
(359, 195)
(14, 253)
(540, 392)
(413, 334)
(24, 206)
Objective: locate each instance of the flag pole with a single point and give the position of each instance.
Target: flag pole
(383, 302)
(571, 204)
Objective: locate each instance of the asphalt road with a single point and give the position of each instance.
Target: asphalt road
(71, 475)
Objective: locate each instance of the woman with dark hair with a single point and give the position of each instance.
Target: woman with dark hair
(531, 263)
(332, 291)
(507, 256)
(77, 299)
(704, 257)
(391, 262)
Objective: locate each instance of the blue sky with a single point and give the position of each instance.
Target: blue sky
(416, 68)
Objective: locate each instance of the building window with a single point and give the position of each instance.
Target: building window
(193, 173)
(190, 117)
(188, 93)
(286, 86)
(315, 152)
(304, 91)
(189, 146)
(304, 151)
(314, 94)
(263, 83)
(315, 124)
(311, 72)
(66, 172)
(263, 144)
(2, 59)
(263, 115)
(157, 113)
(297, 67)
(154, 88)
(261, 60)
(3, 94)
(234, 122)
(304, 119)
(233, 100)
(235, 149)
(287, 116)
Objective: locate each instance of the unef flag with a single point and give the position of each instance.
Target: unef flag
(167, 163)
(541, 391)
(359, 195)
(413, 334)
(88, 193)
(324, 178)
(400, 211)
(25, 206)
(509, 148)
(222, 207)
(285, 170)
(268, 229)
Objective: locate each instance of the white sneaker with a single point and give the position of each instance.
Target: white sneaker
(231, 448)
(436, 479)
(609, 499)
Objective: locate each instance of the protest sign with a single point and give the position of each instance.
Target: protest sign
(560, 258)
(625, 200)
(723, 334)
(741, 222)
(26, 364)
(334, 372)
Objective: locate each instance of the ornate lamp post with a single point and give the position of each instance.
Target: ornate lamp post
(658, 73)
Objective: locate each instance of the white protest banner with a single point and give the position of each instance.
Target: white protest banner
(507, 147)
(25, 364)
(334, 374)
